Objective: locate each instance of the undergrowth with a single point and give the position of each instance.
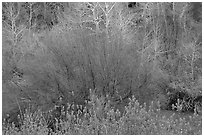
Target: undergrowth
(136, 119)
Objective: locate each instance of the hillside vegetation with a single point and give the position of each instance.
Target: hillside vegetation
(75, 68)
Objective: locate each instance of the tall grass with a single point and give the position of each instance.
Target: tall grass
(136, 120)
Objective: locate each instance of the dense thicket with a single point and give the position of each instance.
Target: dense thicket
(54, 51)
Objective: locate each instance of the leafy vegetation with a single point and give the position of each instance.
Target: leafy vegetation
(136, 119)
(54, 53)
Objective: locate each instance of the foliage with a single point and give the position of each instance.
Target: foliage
(135, 120)
(152, 51)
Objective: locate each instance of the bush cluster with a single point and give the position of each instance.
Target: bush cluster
(180, 98)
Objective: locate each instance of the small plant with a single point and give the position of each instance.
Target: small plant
(179, 105)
